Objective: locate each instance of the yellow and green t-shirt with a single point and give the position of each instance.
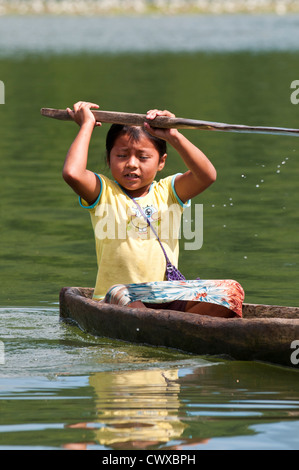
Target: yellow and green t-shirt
(127, 249)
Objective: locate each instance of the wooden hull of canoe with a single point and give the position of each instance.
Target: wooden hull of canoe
(265, 333)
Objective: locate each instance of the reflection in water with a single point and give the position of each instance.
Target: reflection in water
(135, 409)
(188, 408)
(139, 408)
(176, 404)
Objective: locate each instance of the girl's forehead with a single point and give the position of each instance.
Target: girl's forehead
(128, 142)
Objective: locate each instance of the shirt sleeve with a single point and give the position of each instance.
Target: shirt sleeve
(84, 204)
(183, 204)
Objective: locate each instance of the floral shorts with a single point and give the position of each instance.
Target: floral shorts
(227, 293)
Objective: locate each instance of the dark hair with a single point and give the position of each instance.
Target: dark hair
(134, 133)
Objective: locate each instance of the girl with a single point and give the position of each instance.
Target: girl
(127, 251)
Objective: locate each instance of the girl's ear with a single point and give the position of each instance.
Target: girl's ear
(162, 161)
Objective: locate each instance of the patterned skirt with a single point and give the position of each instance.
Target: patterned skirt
(227, 293)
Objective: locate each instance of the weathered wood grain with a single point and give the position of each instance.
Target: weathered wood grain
(132, 119)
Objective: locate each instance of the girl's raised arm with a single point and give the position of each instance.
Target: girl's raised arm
(82, 181)
(201, 172)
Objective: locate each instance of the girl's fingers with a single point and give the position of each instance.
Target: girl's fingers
(161, 133)
(84, 104)
(70, 112)
(152, 113)
(91, 105)
(82, 112)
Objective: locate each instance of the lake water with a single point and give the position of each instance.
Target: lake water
(61, 388)
(119, 34)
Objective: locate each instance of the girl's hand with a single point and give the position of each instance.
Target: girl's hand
(165, 134)
(82, 113)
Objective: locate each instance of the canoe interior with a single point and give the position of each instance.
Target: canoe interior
(249, 310)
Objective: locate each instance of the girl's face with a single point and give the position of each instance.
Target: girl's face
(134, 164)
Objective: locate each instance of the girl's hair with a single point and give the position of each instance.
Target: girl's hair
(134, 133)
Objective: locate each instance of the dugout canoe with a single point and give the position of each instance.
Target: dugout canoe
(265, 333)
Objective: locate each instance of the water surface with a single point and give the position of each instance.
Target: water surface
(63, 389)
(150, 33)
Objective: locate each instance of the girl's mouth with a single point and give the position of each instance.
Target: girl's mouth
(131, 176)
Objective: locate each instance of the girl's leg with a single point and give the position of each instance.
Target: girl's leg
(212, 310)
(201, 308)
(137, 304)
(217, 298)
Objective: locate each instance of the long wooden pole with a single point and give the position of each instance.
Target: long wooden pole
(132, 119)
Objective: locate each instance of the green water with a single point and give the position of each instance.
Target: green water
(61, 388)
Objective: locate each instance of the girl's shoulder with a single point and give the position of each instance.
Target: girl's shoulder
(166, 189)
(109, 188)
(164, 184)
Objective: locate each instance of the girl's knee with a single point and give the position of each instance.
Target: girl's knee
(117, 294)
(237, 289)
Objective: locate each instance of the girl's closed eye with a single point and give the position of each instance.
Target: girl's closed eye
(141, 157)
(144, 157)
(121, 155)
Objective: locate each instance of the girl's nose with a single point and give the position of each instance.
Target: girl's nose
(132, 162)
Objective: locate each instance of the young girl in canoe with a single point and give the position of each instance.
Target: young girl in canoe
(131, 262)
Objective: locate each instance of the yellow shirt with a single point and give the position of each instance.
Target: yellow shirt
(127, 250)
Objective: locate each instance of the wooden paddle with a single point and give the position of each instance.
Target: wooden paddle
(132, 119)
